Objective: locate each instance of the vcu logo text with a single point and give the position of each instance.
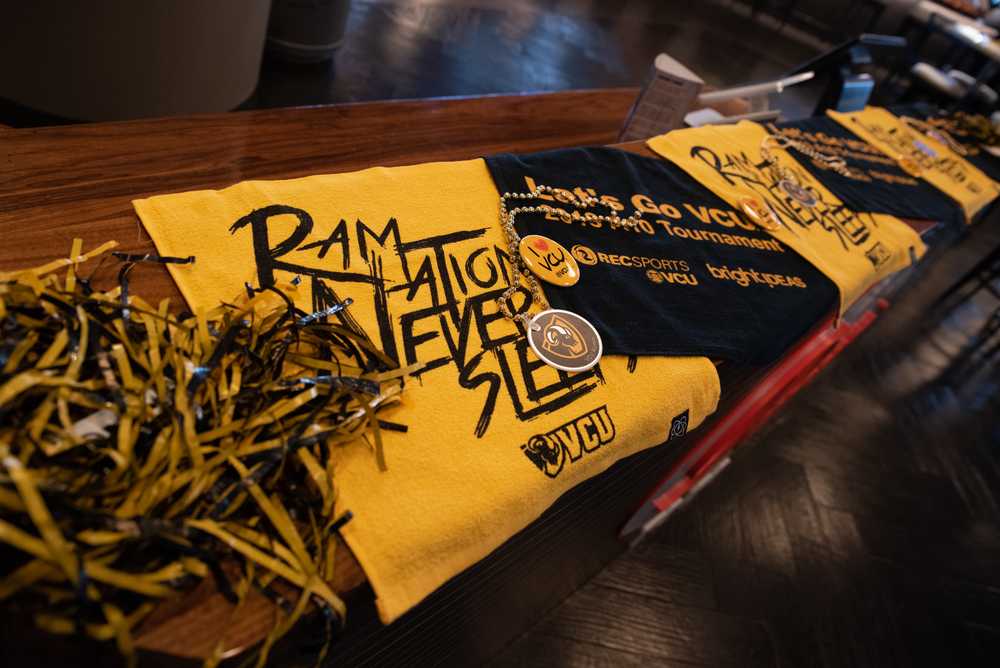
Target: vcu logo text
(550, 451)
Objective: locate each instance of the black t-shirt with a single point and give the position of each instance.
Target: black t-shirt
(695, 278)
(884, 187)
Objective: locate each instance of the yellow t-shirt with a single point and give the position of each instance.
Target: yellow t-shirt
(855, 250)
(940, 166)
(494, 435)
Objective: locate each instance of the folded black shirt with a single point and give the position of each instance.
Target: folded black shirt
(885, 187)
(695, 278)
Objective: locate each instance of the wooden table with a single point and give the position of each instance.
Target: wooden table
(78, 181)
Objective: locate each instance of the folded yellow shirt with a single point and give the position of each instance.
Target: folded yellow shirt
(855, 250)
(494, 435)
(940, 166)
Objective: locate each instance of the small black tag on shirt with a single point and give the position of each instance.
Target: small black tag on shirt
(877, 254)
(678, 426)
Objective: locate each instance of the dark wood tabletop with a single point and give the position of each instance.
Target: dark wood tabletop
(71, 181)
(79, 180)
(62, 182)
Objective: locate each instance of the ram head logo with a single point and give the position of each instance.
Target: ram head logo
(562, 339)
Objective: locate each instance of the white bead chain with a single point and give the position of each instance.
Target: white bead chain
(514, 239)
(834, 162)
(937, 133)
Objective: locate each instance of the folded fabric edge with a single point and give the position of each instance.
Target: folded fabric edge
(393, 601)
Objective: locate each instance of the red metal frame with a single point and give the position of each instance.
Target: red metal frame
(792, 373)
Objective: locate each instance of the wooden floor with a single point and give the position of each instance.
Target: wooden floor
(860, 529)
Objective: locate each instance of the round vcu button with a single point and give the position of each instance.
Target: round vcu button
(759, 213)
(548, 260)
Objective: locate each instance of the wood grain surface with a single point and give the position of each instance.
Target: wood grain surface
(63, 182)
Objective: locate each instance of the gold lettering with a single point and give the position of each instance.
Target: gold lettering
(701, 213)
(642, 203)
(670, 211)
(721, 217)
(532, 186)
(612, 202)
(564, 196)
